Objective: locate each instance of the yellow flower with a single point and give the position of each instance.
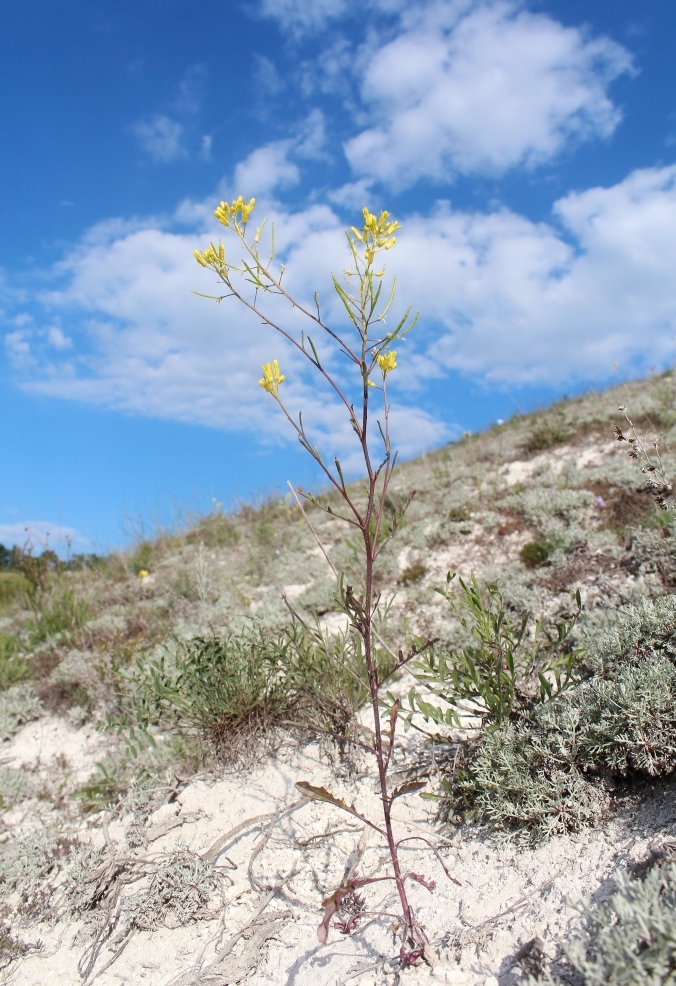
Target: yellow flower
(228, 213)
(387, 361)
(143, 574)
(271, 378)
(378, 234)
(211, 256)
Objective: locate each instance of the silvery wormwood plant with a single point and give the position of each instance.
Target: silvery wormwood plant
(371, 358)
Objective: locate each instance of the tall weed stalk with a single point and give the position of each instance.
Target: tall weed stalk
(368, 349)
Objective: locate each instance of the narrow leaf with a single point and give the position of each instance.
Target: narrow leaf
(409, 788)
(321, 794)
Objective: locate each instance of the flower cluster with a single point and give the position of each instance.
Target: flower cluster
(271, 378)
(387, 361)
(227, 214)
(211, 256)
(378, 234)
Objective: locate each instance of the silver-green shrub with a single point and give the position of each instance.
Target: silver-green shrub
(179, 890)
(539, 770)
(629, 939)
(18, 705)
(27, 866)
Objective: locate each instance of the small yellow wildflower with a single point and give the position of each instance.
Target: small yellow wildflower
(378, 234)
(387, 361)
(227, 213)
(211, 256)
(271, 378)
(143, 574)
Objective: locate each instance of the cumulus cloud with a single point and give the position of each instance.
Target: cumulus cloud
(191, 88)
(146, 344)
(481, 87)
(265, 169)
(501, 297)
(18, 348)
(57, 339)
(522, 302)
(266, 76)
(270, 168)
(161, 138)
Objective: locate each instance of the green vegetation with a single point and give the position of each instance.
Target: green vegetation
(541, 712)
(535, 553)
(503, 667)
(540, 771)
(12, 587)
(545, 435)
(629, 939)
(13, 666)
(59, 615)
(18, 705)
(234, 691)
(412, 573)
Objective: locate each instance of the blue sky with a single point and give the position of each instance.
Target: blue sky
(528, 149)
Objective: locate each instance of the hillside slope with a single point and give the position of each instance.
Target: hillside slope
(120, 858)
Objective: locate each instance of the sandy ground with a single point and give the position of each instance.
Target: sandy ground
(280, 866)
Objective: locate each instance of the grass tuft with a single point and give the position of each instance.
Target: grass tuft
(535, 553)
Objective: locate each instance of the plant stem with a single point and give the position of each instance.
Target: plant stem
(374, 686)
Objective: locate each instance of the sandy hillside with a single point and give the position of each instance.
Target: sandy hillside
(166, 865)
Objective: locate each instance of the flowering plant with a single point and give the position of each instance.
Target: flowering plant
(369, 350)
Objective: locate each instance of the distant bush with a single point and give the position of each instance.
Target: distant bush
(458, 514)
(12, 586)
(413, 573)
(535, 553)
(651, 551)
(18, 705)
(14, 785)
(59, 615)
(13, 667)
(215, 531)
(545, 436)
(141, 559)
(7, 557)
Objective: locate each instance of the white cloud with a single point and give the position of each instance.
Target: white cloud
(311, 139)
(146, 344)
(161, 138)
(18, 347)
(302, 16)
(501, 298)
(520, 303)
(190, 89)
(266, 75)
(481, 87)
(205, 150)
(266, 169)
(57, 339)
(355, 195)
(269, 168)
